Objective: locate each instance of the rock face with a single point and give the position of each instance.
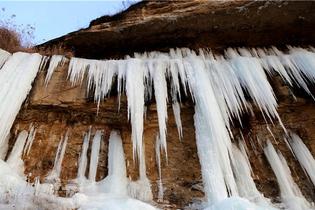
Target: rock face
(59, 108)
(152, 25)
(160, 25)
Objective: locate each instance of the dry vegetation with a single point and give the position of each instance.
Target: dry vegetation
(10, 40)
(14, 37)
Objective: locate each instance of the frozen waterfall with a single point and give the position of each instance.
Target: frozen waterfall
(220, 87)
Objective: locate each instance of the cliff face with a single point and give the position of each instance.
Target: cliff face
(59, 107)
(161, 25)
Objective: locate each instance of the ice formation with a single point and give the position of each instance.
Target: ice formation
(213, 140)
(303, 155)
(15, 158)
(16, 77)
(158, 163)
(83, 158)
(55, 61)
(218, 86)
(30, 140)
(245, 183)
(290, 193)
(54, 174)
(95, 151)
(113, 191)
(176, 111)
(157, 69)
(141, 188)
(4, 55)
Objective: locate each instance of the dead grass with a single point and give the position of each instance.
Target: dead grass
(9, 40)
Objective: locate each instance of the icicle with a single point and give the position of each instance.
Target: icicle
(29, 141)
(270, 61)
(116, 180)
(290, 193)
(76, 70)
(4, 55)
(158, 72)
(176, 65)
(228, 92)
(253, 78)
(15, 159)
(212, 176)
(173, 72)
(141, 189)
(176, 111)
(303, 155)
(213, 141)
(16, 77)
(95, 155)
(245, 183)
(305, 61)
(43, 63)
(54, 174)
(4, 148)
(121, 77)
(135, 95)
(55, 61)
(244, 150)
(83, 157)
(158, 163)
(292, 70)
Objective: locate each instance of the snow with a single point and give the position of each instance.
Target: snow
(236, 203)
(109, 202)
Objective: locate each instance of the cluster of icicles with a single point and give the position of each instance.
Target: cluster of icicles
(216, 83)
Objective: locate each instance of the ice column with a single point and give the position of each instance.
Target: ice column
(95, 155)
(55, 173)
(303, 155)
(290, 193)
(16, 77)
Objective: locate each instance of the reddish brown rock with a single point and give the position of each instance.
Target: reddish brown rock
(153, 25)
(160, 25)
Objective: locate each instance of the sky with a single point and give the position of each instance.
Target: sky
(52, 19)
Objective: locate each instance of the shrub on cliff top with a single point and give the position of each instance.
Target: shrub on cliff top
(14, 37)
(9, 40)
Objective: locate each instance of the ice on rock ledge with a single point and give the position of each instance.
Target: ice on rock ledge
(16, 78)
(4, 55)
(217, 85)
(55, 61)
